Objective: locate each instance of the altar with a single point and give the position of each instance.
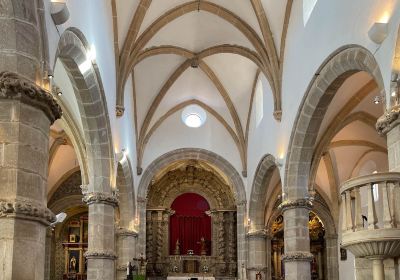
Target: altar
(199, 276)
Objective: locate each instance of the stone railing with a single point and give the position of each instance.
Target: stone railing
(370, 218)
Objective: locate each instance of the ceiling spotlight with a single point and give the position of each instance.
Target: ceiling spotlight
(59, 93)
(377, 99)
(394, 93)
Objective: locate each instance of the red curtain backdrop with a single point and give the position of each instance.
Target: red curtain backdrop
(190, 223)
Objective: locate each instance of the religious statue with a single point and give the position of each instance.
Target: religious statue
(203, 249)
(177, 248)
(142, 265)
(244, 272)
(72, 264)
(258, 276)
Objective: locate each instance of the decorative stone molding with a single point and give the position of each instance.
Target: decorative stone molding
(278, 115)
(100, 197)
(257, 234)
(139, 170)
(106, 254)
(119, 110)
(297, 256)
(26, 209)
(13, 86)
(258, 268)
(388, 120)
(122, 267)
(297, 203)
(126, 232)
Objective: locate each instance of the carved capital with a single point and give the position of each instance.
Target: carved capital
(257, 234)
(388, 120)
(13, 86)
(296, 203)
(101, 254)
(126, 232)
(26, 209)
(297, 256)
(119, 110)
(100, 197)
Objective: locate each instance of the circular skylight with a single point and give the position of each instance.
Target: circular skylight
(194, 116)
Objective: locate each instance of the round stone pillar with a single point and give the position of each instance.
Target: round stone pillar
(126, 248)
(378, 271)
(26, 113)
(257, 261)
(101, 254)
(297, 255)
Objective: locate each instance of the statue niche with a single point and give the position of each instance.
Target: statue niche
(191, 224)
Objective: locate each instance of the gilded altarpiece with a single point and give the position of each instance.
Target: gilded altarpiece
(219, 258)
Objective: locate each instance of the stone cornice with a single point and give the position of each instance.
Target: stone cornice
(13, 86)
(297, 256)
(26, 209)
(296, 203)
(258, 268)
(101, 254)
(126, 232)
(388, 121)
(100, 197)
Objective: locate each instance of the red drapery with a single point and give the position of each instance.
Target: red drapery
(189, 224)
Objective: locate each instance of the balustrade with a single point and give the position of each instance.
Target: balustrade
(371, 218)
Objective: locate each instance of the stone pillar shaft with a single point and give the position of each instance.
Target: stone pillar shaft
(257, 254)
(126, 247)
(101, 254)
(297, 255)
(26, 113)
(378, 271)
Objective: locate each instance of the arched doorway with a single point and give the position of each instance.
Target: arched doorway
(191, 221)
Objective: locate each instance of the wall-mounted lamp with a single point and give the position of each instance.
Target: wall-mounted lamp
(378, 32)
(59, 12)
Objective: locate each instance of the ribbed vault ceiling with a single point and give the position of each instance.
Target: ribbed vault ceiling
(233, 42)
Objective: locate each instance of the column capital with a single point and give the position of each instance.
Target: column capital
(388, 120)
(296, 203)
(15, 87)
(297, 256)
(100, 197)
(101, 254)
(126, 232)
(257, 234)
(26, 209)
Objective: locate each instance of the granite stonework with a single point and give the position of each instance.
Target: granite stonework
(26, 113)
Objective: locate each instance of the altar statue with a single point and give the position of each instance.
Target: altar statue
(177, 248)
(72, 264)
(203, 249)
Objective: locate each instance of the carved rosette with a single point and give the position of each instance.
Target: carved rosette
(119, 110)
(100, 197)
(26, 209)
(388, 120)
(297, 257)
(15, 87)
(101, 254)
(297, 203)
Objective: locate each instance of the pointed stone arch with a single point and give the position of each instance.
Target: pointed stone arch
(261, 180)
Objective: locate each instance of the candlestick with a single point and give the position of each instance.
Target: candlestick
(127, 269)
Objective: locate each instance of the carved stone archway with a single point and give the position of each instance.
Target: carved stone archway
(235, 182)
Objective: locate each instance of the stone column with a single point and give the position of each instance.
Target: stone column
(297, 255)
(126, 247)
(26, 113)
(378, 271)
(48, 251)
(257, 254)
(101, 252)
(332, 264)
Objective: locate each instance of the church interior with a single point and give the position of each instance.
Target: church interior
(199, 139)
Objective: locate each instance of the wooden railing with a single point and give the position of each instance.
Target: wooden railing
(352, 191)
